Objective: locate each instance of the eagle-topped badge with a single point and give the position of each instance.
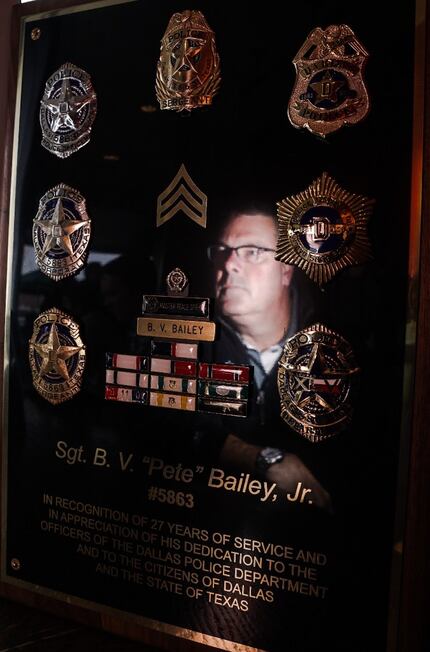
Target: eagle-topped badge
(316, 375)
(329, 91)
(57, 356)
(188, 71)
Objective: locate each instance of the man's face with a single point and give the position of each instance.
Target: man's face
(245, 289)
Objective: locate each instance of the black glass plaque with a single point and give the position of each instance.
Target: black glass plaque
(167, 508)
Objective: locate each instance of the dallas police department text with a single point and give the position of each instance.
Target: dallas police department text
(174, 557)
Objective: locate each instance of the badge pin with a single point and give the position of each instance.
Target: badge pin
(329, 91)
(182, 194)
(322, 230)
(316, 376)
(188, 71)
(177, 282)
(61, 232)
(67, 110)
(57, 356)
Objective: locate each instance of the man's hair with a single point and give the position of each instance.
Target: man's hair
(248, 208)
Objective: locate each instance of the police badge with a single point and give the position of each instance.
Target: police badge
(61, 232)
(67, 110)
(322, 230)
(316, 375)
(57, 356)
(188, 71)
(329, 91)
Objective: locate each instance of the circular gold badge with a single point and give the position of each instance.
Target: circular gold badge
(315, 380)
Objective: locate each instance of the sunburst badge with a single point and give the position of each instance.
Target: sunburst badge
(57, 356)
(322, 230)
(61, 232)
(67, 110)
(329, 91)
(316, 378)
(188, 71)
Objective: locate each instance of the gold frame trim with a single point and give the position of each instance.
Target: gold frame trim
(51, 13)
(156, 625)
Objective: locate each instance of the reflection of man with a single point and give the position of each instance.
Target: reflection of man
(251, 286)
(258, 311)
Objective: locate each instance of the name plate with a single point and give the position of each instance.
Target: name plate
(154, 304)
(180, 329)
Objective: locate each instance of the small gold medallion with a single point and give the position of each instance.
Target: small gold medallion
(322, 230)
(67, 110)
(329, 91)
(188, 71)
(57, 356)
(61, 232)
(316, 375)
(177, 283)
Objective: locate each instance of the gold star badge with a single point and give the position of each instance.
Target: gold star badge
(57, 356)
(54, 355)
(188, 71)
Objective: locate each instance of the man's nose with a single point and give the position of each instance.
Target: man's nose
(232, 261)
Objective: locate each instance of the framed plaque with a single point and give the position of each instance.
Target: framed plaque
(212, 415)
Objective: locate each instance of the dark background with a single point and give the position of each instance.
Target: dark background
(241, 148)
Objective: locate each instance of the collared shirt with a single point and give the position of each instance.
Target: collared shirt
(263, 361)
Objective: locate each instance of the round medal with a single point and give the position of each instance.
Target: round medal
(315, 380)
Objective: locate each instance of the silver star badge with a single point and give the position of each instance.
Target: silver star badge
(61, 232)
(67, 110)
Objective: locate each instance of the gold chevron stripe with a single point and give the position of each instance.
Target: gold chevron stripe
(169, 202)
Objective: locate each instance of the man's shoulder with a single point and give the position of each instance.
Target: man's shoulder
(227, 347)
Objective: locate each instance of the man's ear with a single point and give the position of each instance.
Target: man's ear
(287, 274)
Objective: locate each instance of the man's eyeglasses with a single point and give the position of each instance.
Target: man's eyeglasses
(218, 253)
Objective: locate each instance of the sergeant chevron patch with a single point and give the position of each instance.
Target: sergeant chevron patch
(182, 194)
